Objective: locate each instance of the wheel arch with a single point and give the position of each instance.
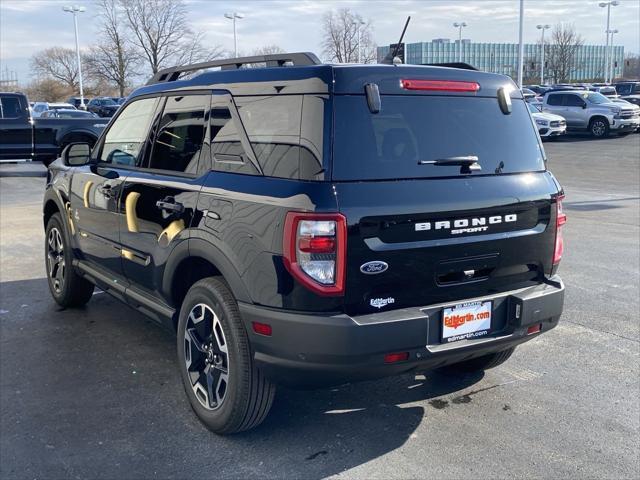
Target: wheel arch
(599, 116)
(193, 260)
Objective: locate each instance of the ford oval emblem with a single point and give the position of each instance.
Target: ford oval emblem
(373, 268)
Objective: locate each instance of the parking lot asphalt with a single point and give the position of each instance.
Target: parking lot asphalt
(95, 393)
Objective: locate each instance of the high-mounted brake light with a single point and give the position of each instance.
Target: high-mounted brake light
(561, 219)
(315, 250)
(440, 85)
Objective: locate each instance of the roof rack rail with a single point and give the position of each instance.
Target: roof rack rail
(462, 65)
(172, 74)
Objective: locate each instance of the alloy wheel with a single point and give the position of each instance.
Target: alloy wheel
(206, 356)
(598, 128)
(55, 259)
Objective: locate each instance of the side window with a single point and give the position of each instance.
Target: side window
(624, 89)
(273, 127)
(180, 134)
(127, 135)
(555, 100)
(227, 152)
(573, 101)
(10, 107)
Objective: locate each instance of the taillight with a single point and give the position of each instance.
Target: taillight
(561, 219)
(440, 85)
(315, 250)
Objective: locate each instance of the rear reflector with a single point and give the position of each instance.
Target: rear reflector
(396, 357)
(534, 329)
(262, 329)
(440, 85)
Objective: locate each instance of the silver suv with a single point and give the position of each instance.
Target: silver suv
(592, 111)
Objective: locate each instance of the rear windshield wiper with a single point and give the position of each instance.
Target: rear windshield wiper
(467, 163)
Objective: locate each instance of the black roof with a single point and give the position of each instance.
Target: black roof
(311, 77)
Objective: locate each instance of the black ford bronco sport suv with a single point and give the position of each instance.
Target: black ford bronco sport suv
(308, 224)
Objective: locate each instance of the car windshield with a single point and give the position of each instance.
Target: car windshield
(596, 98)
(533, 108)
(107, 101)
(412, 131)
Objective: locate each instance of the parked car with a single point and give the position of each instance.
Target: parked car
(77, 102)
(606, 90)
(530, 95)
(626, 89)
(26, 138)
(67, 113)
(549, 125)
(103, 107)
(314, 224)
(538, 89)
(591, 111)
(40, 107)
(634, 99)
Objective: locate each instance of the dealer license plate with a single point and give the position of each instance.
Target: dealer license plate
(466, 321)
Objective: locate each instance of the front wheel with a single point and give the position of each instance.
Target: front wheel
(480, 364)
(599, 127)
(67, 287)
(225, 389)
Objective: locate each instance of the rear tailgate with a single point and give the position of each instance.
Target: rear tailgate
(446, 240)
(440, 232)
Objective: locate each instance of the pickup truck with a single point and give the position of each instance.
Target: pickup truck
(25, 138)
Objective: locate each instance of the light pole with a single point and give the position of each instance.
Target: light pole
(232, 16)
(608, 4)
(358, 23)
(74, 9)
(521, 45)
(460, 26)
(611, 62)
(543, 28)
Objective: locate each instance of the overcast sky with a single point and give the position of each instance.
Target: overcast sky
(27, 26)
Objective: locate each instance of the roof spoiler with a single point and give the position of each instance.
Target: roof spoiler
(172, 74)
(464, 66)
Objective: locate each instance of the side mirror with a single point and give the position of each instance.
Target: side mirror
(76, 154)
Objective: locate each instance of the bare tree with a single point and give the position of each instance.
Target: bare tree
(48, 90)
(114, 58)
(562, 51)
(58, 63)
(341, 32)
(163, 35)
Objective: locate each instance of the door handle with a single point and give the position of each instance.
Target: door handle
(169, 204)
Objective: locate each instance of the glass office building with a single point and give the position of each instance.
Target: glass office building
(503, 58)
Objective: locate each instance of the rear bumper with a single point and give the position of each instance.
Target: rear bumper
(314, 350)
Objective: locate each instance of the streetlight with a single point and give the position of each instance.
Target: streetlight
(608, 4)
(543, 28)
(611, 73)
(232, 16)
(521, 44)
(75, 9)
(460, 26)
(358, 23)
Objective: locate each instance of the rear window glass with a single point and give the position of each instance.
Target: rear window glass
(413, 129)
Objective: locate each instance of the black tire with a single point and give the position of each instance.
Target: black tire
(599, 127)
(481, 363)
(243, 395)
(67, 287)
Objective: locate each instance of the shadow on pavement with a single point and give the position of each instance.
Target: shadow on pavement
(95, 392)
